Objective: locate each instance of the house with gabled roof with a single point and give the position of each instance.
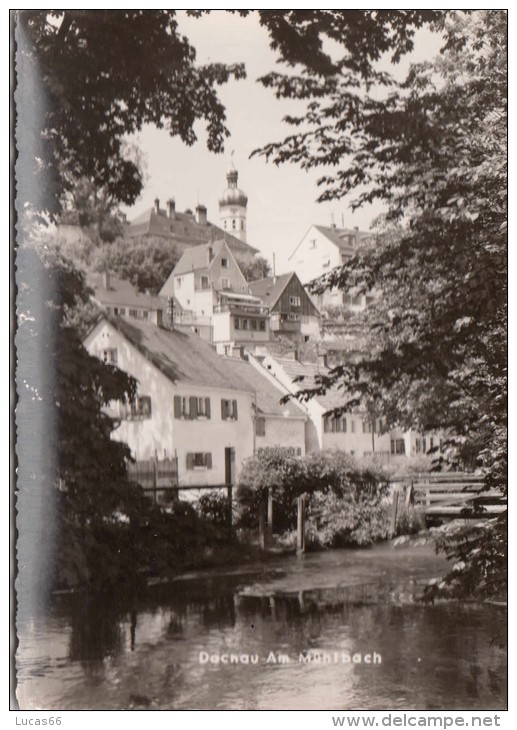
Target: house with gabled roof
(191, 405)
(119, 297)
(356, 433)
(322, 249)
(292, 312)
(209, 286)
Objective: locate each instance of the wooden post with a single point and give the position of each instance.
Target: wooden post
(394, 509)
(262, 527)
(155, 480)
(300, 532)
(269, 516)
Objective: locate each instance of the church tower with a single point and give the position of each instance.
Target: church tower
(232, 207)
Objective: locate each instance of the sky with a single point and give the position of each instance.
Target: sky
(281, 200)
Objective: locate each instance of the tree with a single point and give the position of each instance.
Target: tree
(256, 268)
(433, 149)
(86, 79)
(145, 262)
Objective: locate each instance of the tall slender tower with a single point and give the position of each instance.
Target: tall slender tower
(232, 206)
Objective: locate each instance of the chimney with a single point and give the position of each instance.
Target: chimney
(157, 205)
(171, 208)
(323, 359)
(201, 215)
(106, 279)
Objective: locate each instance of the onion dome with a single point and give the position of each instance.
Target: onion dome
(233, 195)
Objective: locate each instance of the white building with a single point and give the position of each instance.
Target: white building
(322, 249)
(192, 405)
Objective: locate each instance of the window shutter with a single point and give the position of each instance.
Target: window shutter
(344, 425)
(208, 461)
(234, 409)
(325, 424)
(207, 407)
(193, 406)
(333, 425)
(190, 461)
(224, 411)
(177, 406)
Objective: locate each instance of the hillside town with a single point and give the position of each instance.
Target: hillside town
(260, 407)
(219, 359)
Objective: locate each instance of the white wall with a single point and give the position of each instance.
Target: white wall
(165, 435)
(285, 432)
(315, 256)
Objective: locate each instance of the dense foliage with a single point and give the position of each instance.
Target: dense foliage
(432, 148)
(85, 79)
(346, 502)
(146, 262)
(256, 268)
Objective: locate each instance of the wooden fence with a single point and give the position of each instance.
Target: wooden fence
(444, 496)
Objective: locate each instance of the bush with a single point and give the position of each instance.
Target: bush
(336, 522)
(347, 503)
(213, 507)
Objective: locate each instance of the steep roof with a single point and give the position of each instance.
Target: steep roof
(267, 394)
(333, 398)
(180, 356)
(270, 289)
(121, 293)
(183, 229)
(340, 237)
(196, 258)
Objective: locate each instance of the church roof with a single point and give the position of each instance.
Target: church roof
(184, 229)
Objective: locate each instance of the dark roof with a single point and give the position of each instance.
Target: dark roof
(333, 398)
(268, 395)
(196, 258)
(270, 289)
(122, 293)
(183, 229)
(180, 356)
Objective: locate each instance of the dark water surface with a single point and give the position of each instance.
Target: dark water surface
(334, 607)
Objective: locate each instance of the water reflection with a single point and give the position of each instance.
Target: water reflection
(147, 654)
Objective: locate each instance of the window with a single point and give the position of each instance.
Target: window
(245, 324)
(260, 427)
(225, 224)
(398, 446)
(109, 355)
(262, 325)
(145, 314)
(352, 427)
(367, 427)
(133, 313)
(233, 224)
(242, 225)
(122, 311)
(137, 410)
(228, 410)
(191, 407)
(357, 300)
(313, 243)
(178, 282)
(199, 460)
(225, 283)
(253, 323)
(293, 317)
(204, 282)
(225, 263)
(237, 323)
(294, 301)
